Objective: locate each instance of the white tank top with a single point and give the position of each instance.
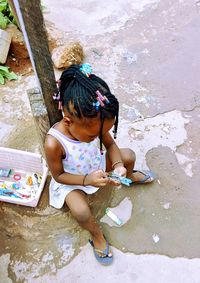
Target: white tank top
(81, 158)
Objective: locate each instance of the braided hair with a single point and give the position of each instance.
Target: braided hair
(79, 93)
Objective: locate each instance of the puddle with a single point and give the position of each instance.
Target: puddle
(168, 128)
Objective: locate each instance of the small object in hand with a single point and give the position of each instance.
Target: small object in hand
(122, 180)
(114, 217)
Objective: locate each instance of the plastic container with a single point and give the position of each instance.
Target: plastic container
(5, 40)
(28, 162)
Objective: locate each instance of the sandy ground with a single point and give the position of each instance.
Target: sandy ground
(148, 52)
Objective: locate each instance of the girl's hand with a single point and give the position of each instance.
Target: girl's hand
(97, 179)
(113, 182)
(121, 171)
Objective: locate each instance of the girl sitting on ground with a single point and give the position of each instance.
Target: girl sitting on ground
(75, 157)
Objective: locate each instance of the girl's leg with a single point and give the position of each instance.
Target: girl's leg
(78, 205)
(128, 157)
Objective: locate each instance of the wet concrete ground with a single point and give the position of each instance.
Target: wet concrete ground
(148, 52)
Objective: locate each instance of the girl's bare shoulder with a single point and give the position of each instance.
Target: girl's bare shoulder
(52, 145)
(51, 142)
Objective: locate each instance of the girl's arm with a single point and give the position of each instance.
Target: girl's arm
(54, 155)
(112, 150)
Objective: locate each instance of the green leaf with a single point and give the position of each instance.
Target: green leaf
(14, 21)
(7, 15)
(3, 6)
(4, 68)
(3, 21)
(2, 81)
(5, 73)
(11, 76)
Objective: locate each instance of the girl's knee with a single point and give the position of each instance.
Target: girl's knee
(81, 213)
(128, 155)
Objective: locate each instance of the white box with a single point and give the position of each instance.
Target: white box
(25, 161)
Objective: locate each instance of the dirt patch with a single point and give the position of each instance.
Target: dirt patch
(20, 66)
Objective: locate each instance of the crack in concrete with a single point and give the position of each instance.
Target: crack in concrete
(171, 110)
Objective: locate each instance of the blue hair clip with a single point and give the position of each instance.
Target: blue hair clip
(96, 105)
(86, 69)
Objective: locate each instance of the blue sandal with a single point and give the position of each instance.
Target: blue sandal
(102, 256)
(149, 177)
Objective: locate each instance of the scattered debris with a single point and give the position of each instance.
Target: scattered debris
(132, 113)
(167, 205)
(97, 53)
(114, 217)
(156, 238)
(123, 211)
(130, 57)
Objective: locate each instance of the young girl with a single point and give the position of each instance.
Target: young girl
(77, 164)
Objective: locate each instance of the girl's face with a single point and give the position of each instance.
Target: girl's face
(87, 129)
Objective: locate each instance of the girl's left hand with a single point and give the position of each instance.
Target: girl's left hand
(121, 171)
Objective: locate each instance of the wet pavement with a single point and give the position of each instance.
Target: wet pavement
(148, 52)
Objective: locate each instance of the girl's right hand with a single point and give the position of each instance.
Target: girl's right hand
(97, 179)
